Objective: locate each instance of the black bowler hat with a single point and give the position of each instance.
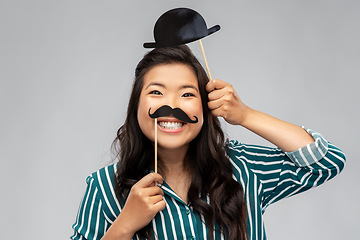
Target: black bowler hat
(179, 26)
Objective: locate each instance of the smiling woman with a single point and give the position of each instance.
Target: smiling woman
(207, 187)
(173, 76)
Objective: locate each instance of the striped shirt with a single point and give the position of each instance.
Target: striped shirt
(266, 175)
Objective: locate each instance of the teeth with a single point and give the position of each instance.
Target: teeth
(171, 125)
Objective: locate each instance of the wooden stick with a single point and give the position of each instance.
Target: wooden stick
(155, 145)
(206, 65)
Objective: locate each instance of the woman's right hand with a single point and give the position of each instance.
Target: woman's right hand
(145, 200)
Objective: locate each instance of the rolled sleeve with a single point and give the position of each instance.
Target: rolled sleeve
(310, 153)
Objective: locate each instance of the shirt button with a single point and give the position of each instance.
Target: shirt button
(188, 212)
(193, 238)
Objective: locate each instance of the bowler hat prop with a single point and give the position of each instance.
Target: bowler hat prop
(179, 26)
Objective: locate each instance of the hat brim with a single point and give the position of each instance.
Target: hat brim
(157, 45)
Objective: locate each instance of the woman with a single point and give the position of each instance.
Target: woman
(207, 187)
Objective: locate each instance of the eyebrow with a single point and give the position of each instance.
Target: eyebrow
(190, 86)
(155, 84)
(162, 85)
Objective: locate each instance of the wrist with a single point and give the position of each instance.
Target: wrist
(121, 233)
(245, 116)
(119, 230)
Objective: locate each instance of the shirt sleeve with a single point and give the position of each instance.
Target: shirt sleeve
(90, 221)
(309, 166)
(284, 174)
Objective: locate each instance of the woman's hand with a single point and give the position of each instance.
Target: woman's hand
(224, 102)
(145, 200)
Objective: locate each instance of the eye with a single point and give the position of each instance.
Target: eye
(155, 92)
(188, 95)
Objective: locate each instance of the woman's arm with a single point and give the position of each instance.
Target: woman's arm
(98, 207)
(281, 174)
(224, 102)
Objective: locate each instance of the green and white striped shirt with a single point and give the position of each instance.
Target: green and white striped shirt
(266, 175)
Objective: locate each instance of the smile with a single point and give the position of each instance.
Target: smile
(171, 125)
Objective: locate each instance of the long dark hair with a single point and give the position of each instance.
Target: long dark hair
(206, 156)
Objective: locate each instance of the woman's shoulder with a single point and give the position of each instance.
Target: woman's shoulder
(105, 172)
(250, 157)
(236, 147)
(99, 204)
(103, 181)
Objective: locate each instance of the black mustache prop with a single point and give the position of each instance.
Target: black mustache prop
(166, 110)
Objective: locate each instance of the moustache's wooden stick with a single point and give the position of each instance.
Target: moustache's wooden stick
(206, 64)
(155, 145)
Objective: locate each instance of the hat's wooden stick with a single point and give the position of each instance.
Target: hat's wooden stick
(206, 65)
(155, 145)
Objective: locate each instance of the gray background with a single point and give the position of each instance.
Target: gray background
(66, 69)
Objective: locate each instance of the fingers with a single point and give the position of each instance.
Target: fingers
(216, 84)
(154, 200)
(217, 94)
(224, 102)
(220, 94)
(218, 88)
(213, 105)
(146, 187)
(149, 179)
(152, 191)
(160, 205)
(220, 98)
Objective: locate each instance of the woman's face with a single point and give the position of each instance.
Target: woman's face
(175, 85)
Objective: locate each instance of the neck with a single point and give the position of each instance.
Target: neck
(172, 160)
(175, 170)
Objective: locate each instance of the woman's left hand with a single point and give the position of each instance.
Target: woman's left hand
(224, 102)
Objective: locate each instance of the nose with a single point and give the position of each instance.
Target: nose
(172, 101)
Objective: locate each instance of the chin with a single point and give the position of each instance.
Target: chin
(172, 145)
